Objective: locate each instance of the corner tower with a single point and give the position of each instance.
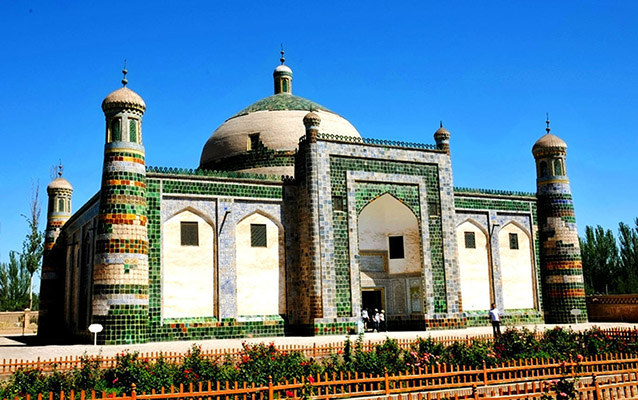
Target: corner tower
(561, 262)
(120, 277)
(52, 279)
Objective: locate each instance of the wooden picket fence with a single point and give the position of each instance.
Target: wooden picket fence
(456, 381)
(9, 366)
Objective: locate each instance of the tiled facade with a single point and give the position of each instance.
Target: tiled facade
(110, 253)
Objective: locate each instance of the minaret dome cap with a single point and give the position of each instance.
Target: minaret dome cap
(59, 183)
(282, 69)
(548, 141)
(123, 98)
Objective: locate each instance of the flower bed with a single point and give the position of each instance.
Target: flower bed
(257, 363)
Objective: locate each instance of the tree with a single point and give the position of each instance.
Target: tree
(600, 260)
(33, 245)
(14, 284)
(628, 239)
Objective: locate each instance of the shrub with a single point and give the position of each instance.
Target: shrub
(560, 343)
(515, 344)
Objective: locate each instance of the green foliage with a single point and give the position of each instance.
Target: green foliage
(600, 259)
(257, 362)
(260, 361)
(14, 284)
(560, 343)
(516, 344)
(610, 265)
(473, 354)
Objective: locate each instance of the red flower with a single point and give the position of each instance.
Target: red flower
(289, 393)
(115, 380)
(311, 379)
(579, 357)
(340, 352)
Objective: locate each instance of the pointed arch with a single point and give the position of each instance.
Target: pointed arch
(264, 214)
(394, 197)
(192, 210)
(388, 225)
(474, 266)
(475, 223)
(188, 264)
(518, 273)
(260, 265)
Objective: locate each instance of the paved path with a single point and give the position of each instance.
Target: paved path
(19, 347)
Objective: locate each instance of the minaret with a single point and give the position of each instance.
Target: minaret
(442, 139)
(52, 278)
(561, 262)
(120, 277)
(283, 77)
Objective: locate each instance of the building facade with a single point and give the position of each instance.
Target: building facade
(292, 224)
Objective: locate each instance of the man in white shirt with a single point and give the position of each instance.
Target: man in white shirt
(495, 317)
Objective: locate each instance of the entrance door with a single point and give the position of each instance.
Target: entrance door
(372, 299)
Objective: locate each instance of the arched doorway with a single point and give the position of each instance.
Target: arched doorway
(390, 257)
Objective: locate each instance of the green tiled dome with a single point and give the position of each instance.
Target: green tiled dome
(281, 102)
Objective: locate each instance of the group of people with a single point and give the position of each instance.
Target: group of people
(373, 320)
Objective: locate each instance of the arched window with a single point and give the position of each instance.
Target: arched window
(116, 131)
(543, 168)
(132, 130)
(60, 205)
(558, 167)
(285, 85)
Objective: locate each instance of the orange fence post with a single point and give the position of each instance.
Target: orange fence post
(387, 381)
(271, 391)
(484, 374)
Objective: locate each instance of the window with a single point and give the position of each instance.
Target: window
(543, 168)
(285, 85)
(396, 247)
(61, 205)
(337, 203)
(132, 130)
(253, 141)
(116, 132)
(514, 241)
(189, 233)
(558, 167)
(470, 240)
(258, 235)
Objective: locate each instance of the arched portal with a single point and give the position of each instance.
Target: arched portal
(517, 269)
(474, 266)
(260, 266)
(188, 272)
(390, 256)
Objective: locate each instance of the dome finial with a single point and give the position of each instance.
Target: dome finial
(547, 122)
(440, 124)
(124, 71)
(60, 169)
(282, 59)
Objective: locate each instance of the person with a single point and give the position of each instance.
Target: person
(495, 317)
(376, 319)
(382, 324)
(365, 318)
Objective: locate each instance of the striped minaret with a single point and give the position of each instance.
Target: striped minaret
(561, 262)
(51, 284)
(120, 277)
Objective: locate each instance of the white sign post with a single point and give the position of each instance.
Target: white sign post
(575, 312)
(97, 328)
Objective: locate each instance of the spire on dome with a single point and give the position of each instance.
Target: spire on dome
(283, 76)
(60, 168)
(547, 122)
(124, 71)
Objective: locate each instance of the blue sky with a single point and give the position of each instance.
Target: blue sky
(489, 70)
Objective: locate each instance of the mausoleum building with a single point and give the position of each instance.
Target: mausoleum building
(291, 224)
